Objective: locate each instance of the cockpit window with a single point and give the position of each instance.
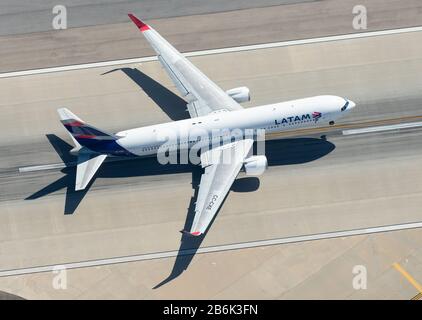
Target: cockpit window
(345, 106)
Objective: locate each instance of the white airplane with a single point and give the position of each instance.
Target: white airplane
(211, 109)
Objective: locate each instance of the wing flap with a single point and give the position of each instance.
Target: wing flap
(198, 109)
(179, 85)
(222, 166)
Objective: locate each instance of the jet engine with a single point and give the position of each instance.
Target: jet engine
(255, 165)
(240, 94)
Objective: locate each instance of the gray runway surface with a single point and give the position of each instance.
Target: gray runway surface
(313, 179)
(8, 296)
(311, 186)
(25, 16)
(198, 32)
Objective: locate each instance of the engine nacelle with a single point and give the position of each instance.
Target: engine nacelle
(240, 94)
(255, 165)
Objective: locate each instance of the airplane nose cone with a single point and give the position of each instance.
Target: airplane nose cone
(348, 105)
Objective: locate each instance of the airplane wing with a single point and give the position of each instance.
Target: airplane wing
(222, 165)
(203, 95)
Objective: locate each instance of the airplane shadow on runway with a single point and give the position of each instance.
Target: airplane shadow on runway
(278, 152)
(170, 103)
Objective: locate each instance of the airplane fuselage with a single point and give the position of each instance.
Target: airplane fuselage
(220, 134)
(273, 118)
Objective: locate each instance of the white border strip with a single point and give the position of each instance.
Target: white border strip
(383, 128)
(42, 167)
(235, 246)
(213, 51)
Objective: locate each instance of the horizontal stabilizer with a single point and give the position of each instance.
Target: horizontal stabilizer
(88, 164)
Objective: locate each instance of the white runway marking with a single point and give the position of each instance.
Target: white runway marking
(213, 51)
(42, 167)
(235, 246)
(383, 128)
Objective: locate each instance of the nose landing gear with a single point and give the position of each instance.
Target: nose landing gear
(331, 123)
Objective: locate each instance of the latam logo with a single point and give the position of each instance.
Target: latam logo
(316, 115)
(304, 117)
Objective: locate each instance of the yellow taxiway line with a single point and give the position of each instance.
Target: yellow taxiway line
(409, 278)
(418, 296)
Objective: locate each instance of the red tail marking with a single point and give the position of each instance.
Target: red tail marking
(85, 136)
(74, 124)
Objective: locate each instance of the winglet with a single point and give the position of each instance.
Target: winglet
(195, 234)
(142, 26)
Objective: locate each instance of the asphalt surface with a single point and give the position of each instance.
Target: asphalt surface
(124, 198)
(197, 32)
(23, 16)
(311, 186)
(8, 296)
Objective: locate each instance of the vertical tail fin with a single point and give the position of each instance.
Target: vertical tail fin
(81, 131)
(84, 135)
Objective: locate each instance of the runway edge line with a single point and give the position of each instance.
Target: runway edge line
(234, 246)
(349, 36)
